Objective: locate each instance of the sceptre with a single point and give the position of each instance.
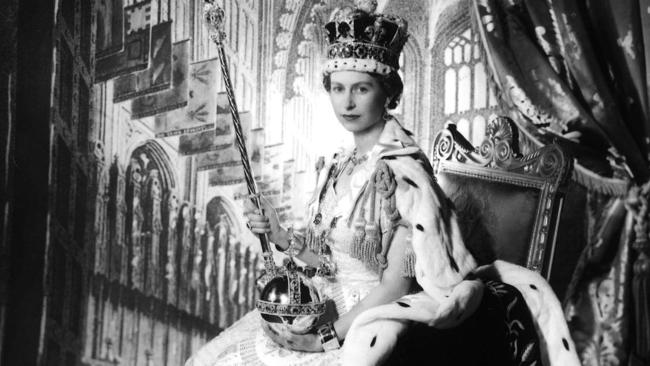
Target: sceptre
(214, 15)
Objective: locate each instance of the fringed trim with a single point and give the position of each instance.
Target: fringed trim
(597, 183)
(591, 181)
(408, 268)
(356, 249)
(371, 245)
(310, 240)
(374, 233)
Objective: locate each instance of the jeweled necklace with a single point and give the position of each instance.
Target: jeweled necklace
(355, 160)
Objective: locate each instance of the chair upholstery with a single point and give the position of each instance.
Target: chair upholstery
(508, 204)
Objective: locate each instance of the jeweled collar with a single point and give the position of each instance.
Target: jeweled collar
(393, 140)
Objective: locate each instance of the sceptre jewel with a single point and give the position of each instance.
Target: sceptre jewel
(214, 15)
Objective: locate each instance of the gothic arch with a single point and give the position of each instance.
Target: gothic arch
(156, 158)
(150, 182)
(412, 69)
(453, 19)
(309, 12)
(218, 209)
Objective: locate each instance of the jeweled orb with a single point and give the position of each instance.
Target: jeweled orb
(291, 299)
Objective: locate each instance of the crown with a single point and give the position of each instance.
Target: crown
(362, 40)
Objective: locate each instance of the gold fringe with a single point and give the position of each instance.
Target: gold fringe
(371, 245)
(356, 250)
(408, 269)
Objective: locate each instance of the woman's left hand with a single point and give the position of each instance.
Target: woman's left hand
(308, 342)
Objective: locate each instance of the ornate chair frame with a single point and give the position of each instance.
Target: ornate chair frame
(498, 160)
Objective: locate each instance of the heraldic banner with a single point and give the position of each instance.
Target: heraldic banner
(110, 28)
(169, 99)
(216, 158)
(201, 112)
(221, 134)
(134, 56)
(155, 78)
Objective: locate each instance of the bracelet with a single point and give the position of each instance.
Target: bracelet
(328, 337)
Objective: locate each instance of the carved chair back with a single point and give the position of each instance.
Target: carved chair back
(508, 204)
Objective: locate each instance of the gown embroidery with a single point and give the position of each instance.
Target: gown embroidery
(244, 342)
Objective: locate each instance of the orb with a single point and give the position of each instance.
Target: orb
(291, 299)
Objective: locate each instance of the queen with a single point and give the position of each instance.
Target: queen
(399, 284)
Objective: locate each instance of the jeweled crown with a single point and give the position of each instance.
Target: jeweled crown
(365, 41)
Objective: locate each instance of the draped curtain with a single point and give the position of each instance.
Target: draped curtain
(575, 72)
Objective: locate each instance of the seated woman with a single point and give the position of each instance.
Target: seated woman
(384, 230)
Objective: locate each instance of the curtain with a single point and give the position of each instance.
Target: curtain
(574, 72)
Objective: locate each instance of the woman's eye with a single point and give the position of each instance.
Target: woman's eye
(361, 89)
(337, 89)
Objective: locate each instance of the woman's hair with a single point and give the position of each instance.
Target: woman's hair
(391, 83)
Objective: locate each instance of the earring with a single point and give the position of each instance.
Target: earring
(386, 116)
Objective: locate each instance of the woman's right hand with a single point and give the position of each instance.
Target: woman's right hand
(264, 222)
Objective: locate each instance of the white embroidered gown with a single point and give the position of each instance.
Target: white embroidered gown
(244, 343)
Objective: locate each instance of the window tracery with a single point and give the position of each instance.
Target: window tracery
(461, 89)
(468, 98)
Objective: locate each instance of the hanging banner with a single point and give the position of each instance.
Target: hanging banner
(228, 155)
(110, 28)
(255, 147)
(138, 16)
(226, 175)
(224, 155)
(201, 111)
(134, 57)
(223, 134)
(170, 99)
(135, 54)
(155, 78)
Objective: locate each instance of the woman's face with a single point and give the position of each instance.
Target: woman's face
(358, 99)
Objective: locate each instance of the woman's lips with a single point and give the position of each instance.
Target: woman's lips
(350, 117)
